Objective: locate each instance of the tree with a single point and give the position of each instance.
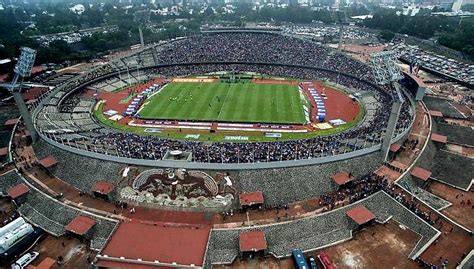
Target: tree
(387, 35)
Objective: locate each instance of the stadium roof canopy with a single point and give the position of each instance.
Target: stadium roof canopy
(47, 263)
(341, 177)
(103, 187)
(18, 190)
(399, 165)
(3, 151)
(32, 93)
(48, 161)
(138, 243)
(10, 122)
(251, 198)
(420, 173)
(439, 138)
(80, 225)
(252, 241)
(395, 147)
(360, 214)
(435, 113)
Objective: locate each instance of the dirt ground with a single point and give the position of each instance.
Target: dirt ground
(378, 246)
(74, 252)
(460, 211)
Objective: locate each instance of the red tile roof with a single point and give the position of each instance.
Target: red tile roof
(10, 122)
(103, 187)
(48, 161)
(395, 147)
(47, 263)
(360, 214)
(183, 244)
(31, 101)
(3, 77)
(341, 177)
(80, 225)
(420, 173)
(102, 263)
(32, 93)
(252, 241)
(37, 69)
(439, 138)
(251, 198)
(399, 165)
(18, 190)
(435, 113)
(3, 151)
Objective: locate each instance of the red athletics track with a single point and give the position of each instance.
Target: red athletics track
(338, 104)
(113, 98)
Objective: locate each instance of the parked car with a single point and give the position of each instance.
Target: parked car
(312, 263)
(24, 260)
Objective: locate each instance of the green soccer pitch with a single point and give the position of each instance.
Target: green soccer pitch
(226, 102)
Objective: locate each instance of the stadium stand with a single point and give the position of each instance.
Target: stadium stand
(319, 231)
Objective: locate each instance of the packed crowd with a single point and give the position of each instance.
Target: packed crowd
(150, 147)
(251, 47)
(286, 185)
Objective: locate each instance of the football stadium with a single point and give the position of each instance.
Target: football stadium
(240, 149)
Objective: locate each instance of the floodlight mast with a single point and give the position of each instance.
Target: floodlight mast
(23, 69)
(142, 17)
(342, 19)
(386, 72)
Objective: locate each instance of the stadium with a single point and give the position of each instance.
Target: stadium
(233, 149)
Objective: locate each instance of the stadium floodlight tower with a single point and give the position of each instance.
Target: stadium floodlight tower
(386, 72)
(22, 70)
(341, 17)
(141, 17)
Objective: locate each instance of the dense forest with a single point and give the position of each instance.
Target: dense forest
(453, 32)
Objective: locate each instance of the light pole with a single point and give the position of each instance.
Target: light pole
(23, 69)
(386, 72)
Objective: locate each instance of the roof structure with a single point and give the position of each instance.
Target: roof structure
(30, 101)
(3, 151)
(48, 161)
(103, 187)
(360, 214)
(156, 242)
(27, 133)
(251, 198)
(32, 93)
(252, 241)
(439, 138)
(80, 225)
(103, 262)
(46, 263)
(435, 113)
(10, 122)
(420, 173)
(395, 147)
(18, 190)
(399, 165)
(342, 177)
(418, 80)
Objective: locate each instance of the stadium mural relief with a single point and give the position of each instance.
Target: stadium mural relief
(180, 188)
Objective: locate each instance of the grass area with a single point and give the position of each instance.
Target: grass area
(226, 102)
(206, 136)
(128, 98)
